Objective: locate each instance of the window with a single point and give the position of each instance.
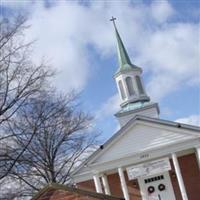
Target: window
(129, 84)
(139, 84)
(156, 178)
(121, 90)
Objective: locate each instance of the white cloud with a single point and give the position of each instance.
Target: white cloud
(110, 107)
(167, 49)
(172, 54)
(15, 3)
(63, 34)
(192, 120)
(161, 11)
(58, 41)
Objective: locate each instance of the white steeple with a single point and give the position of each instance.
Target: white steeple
(130, 86)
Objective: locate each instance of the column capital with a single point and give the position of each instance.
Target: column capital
(121, 167)
(95, 172)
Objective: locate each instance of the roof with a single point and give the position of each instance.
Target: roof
(123, 58)
(195, 129)
(72, 190)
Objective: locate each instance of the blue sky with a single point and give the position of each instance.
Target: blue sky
(78, 40)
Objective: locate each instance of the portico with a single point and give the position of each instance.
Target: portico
(169, 174)
(165, 140)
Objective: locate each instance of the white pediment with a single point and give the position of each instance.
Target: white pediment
(141, 137)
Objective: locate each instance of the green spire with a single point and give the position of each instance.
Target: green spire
(123, 58)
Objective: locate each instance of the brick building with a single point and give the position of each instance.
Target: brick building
(148, 158)
(61, 192)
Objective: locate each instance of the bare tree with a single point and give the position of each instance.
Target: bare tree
(62, 135)
(42, 135)
(20, 80)
(19, 77)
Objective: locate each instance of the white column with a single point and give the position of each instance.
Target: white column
(123, 183)
(97, 183)
(105, 184)
(198, 155)
(179, 177)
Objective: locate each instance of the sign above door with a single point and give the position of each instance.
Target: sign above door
(148, 168)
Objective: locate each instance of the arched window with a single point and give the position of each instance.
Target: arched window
(129, 84)
(139, 84)
(121, 89)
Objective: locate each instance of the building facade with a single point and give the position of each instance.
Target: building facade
(148, 158)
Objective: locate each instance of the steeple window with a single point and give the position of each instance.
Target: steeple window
(121, 89)
(139, 84)
(129, 84)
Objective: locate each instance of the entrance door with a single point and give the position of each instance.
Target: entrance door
(157, 187)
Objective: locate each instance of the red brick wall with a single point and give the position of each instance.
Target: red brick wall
(133, 189)
(191, 177)
(115, 186)
(87, 185)
(189, 169)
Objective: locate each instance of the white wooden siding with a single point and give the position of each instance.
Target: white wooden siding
(150, 112)
(140, 138)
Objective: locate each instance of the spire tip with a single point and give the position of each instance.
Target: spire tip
(113, 20)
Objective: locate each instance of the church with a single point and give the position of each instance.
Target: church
(148, 158)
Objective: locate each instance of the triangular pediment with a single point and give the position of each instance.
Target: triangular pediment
(141, 137)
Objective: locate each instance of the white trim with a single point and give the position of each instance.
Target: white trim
(150, 124)
(97, 183)
(173, 128)
(198, 155)
(142, 189)
(133, 159)
(123, 183)
(179, 177)
(106, 184)
(170, 185)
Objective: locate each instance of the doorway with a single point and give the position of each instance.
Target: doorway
(156, 187)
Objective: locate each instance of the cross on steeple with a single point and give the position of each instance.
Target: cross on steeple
(113, 20)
